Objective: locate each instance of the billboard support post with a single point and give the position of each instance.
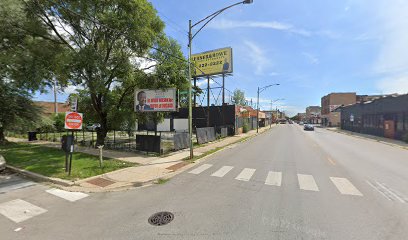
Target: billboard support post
(223, 99)
(208, 101)
(195, 95)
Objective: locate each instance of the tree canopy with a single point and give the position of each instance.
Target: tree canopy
(104, 42)
(238, 97)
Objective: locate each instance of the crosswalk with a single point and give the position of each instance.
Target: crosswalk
(306, 182)
(19, 210)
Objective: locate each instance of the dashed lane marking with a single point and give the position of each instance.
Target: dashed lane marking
(19, 210)
(246, 174)
(70, 196)
(307, 182)
(274, 179)
(201, 169)
(222, 171)
(345, 186)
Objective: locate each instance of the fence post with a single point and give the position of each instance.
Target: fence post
(114, 137)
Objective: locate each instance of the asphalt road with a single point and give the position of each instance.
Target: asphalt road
(283, 184)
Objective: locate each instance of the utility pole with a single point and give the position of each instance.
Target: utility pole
(55, 97)
(190, 40)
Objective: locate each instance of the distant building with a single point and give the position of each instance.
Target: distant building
(302, 117)
(385, 117)
(330, 102)
(313, 114)
(48, 108)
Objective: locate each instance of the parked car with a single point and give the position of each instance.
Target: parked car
(93, 127)
(2, 163)
(301, 123)
(308, 127)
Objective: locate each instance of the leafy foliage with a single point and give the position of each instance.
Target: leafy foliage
(238, 97)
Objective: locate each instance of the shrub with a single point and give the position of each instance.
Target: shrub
(245, 128)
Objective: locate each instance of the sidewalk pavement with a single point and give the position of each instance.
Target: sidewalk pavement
(388, 141)
(151, 168)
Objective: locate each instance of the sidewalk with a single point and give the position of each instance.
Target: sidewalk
(151, 168)
(388, 141)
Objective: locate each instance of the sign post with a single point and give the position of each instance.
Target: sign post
(73, 121)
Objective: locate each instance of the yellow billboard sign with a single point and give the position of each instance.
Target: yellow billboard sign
(213, 62)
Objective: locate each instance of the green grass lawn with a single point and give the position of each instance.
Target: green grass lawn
(51, 162)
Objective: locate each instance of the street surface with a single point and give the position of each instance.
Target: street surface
(283, 184)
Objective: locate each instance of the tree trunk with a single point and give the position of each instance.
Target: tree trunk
(102, 131)
(2, 137)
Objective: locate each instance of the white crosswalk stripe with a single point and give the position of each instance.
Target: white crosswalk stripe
(70, 196)
(201, 169)
(19, 210)
(307, 182)
(246, 174)
(274, 179)
(345, 186)
(222, 171)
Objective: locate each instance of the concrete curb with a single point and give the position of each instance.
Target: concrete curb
(40, 177)
(369, 139)
(128, 185)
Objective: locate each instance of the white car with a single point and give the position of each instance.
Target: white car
(2, 163)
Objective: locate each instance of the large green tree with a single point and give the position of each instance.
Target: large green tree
(28, 59)
(104, 38)
(238, 97)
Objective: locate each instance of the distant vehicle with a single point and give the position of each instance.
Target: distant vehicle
(282, 121)
(301, 123)
(93, 127)
(308, 127)
(2, 163)
(290, 122)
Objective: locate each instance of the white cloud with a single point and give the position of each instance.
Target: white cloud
(72, 89)
(257, 56)
(394, 85)
(311, 58)
(279, 26)
(392, 26)
(204, 83)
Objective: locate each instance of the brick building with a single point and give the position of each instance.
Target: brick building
(48, 108)
(313, 114)
(332, 101)
(385, 117)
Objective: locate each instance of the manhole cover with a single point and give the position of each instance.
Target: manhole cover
(161, 218)
(101, 182)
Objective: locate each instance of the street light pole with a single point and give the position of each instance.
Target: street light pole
(190, 108)
(257, 103)
(257, 112)
(190, 40)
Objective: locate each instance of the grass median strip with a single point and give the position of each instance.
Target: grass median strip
(50, 162)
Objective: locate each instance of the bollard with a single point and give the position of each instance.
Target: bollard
(100, 155)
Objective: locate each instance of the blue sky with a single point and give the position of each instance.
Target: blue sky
(310, 47)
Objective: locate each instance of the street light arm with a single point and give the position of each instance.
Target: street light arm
(205, 24)
(216, 13)
(263, 88)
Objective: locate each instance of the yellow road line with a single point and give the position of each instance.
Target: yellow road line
(331, 161)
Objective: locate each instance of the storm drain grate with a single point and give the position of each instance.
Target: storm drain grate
(161, 218)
